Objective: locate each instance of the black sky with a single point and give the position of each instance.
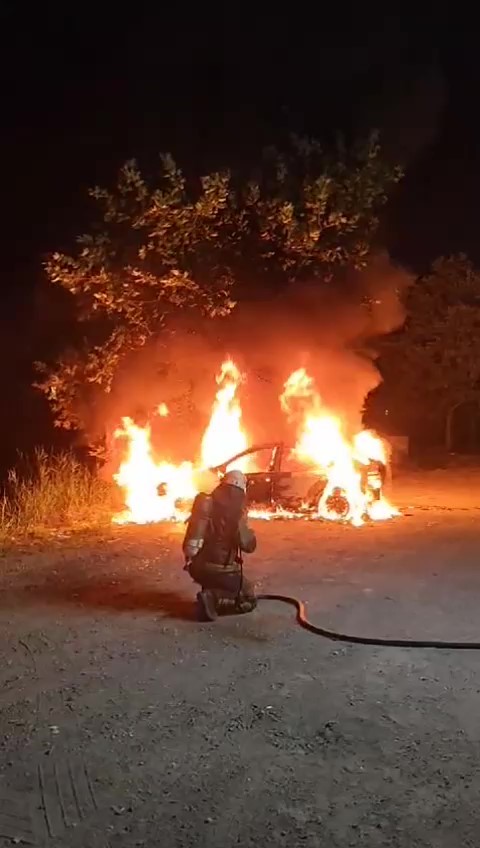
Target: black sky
(85, 88)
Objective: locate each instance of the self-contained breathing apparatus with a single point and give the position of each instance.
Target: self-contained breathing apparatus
(197, 526)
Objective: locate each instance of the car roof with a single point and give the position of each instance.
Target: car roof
(247, 451)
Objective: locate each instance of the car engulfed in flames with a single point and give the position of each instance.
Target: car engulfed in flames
(281, 487)
(324, 475)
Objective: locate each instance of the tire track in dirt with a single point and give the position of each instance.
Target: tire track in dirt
(62, 799)
(65, 794)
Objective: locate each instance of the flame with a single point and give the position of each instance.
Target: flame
(224, 436)
(368, 446)
(151, 489)
(353, 483)
(299, 395)
(157, 490)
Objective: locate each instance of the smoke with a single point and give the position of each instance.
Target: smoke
(328, 329)
(177, 370)
(325, 329)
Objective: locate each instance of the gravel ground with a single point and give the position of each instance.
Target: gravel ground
(125, 722)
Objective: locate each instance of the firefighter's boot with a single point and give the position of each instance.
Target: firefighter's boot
(207, 607)
(226, 605)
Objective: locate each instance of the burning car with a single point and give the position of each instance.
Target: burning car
(331, 472)
(278, 480)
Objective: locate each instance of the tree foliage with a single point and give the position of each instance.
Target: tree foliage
(160, 248)
(433, 364)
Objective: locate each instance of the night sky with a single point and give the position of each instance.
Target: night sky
(84, 89)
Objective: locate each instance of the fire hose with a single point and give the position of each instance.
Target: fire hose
(336, 636)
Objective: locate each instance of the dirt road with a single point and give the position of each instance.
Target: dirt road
(126, 723)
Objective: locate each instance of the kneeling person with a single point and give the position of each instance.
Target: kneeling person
(214, 546)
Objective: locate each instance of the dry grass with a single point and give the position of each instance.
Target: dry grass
(54, 492)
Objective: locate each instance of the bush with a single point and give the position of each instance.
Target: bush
(54, 492)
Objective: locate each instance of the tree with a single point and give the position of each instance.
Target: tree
(432, 365)
(161, 249)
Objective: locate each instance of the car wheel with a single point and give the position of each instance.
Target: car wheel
(338, 503)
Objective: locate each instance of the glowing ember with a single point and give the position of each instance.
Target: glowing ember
(277, 513)
(224, 436)
(351, 468)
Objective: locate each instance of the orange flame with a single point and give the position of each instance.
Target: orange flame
(151, 489)
(299, 395)
(323, 445)
(224, 436)
(156, 490)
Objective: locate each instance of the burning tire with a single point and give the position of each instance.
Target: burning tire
(337, 503)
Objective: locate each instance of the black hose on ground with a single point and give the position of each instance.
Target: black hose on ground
(303, 621)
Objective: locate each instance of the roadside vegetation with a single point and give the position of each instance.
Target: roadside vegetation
(54, 492)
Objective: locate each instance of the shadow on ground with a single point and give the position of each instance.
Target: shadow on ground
(121, 594)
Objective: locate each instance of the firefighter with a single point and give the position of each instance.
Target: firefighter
(217, 535)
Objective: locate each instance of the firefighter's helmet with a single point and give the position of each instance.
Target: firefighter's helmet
(236, 478)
